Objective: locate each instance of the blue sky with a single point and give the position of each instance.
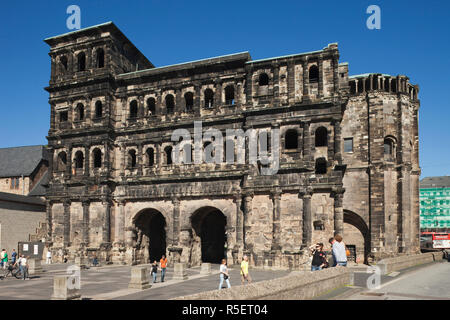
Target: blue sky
(414, 40)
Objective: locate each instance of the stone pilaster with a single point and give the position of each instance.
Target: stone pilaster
(239, 221)
(176, 221)
(106, 230)
(276, 228)
(307, 218)
(49, 219)
(248, 200)
(86, 205)
(66, 225)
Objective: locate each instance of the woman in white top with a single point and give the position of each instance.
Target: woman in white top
(224, 274)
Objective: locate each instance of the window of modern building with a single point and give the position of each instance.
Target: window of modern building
(348, 144)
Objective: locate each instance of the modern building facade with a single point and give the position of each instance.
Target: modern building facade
(346, 162)
(435, 204)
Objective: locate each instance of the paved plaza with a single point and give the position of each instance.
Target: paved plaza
(111, 282)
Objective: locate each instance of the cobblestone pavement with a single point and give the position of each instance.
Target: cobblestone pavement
(111, 282)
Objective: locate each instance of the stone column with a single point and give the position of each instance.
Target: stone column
(276, 229)
(197, 101)
(176, 221)
(69, 161)
(121, 223)
(338, 212)
(106, 232)
(307, 218)
(320, 77)
(66, 226)
(247, 211)
(86, 204)
(239, 221)
(106, 165)
(307, 154)
(305, 80)
(86, 160)
(139, 157)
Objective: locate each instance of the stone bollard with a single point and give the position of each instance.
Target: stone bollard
(66, 288)
(34, 266)
(139, 279)
(179, 272)
(206, 268)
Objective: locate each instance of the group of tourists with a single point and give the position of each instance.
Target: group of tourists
(21, 262)
(338, 250)
(162, 267)
(224, 276)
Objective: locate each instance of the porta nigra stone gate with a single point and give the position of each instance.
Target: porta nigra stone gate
(348, 156)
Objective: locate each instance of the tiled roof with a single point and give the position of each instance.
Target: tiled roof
(435, 182)
(18, 161)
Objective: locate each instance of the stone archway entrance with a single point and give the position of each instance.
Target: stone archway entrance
(151, 236)
(209, 224)
(357, 236)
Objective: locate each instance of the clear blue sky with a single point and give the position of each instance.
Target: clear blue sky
(414, 40)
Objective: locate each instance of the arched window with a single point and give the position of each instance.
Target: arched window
(98, 109)
(151, 106)
(209, 98)
(313, 74)
(170, 104)
(150, 153)
(263, 79)
(168, 152)
(79, 112)
(229, 95)
(321, 166)
(81, 61)
(132, 158)
(64, 63)
(321, 137)
(291, 139)
(133, 109)
(79, 159)
(189, 101)
(100, 58)
(389, 147)
(62, 161)
(97, 157)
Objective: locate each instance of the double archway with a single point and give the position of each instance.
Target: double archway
(208, 224)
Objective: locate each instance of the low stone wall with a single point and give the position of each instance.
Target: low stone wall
(306, 285)
(393, 264)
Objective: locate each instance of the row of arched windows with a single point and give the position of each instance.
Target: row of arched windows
(188, 102)
(291, 138)
(81, 60)
(313, 76)
(80, 113)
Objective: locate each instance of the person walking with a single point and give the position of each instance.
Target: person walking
(154, 270)
(319, 259)
(13, 256)
(23, 266)
(244, 271)
(332, 241)
(2, 256)
(5, 259)
(339, 251)
(163, 266)
(49, 257)
(224, 276)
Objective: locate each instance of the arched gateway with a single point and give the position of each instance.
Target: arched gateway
(151, 235)
(356, 235)
(209, 224)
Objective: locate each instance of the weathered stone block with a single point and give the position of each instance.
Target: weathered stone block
(139, 278)
(66, 288)
(205, 268)
(34, 266)
(180, 272)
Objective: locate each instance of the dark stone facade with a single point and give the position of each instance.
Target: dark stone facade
(114, 191)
